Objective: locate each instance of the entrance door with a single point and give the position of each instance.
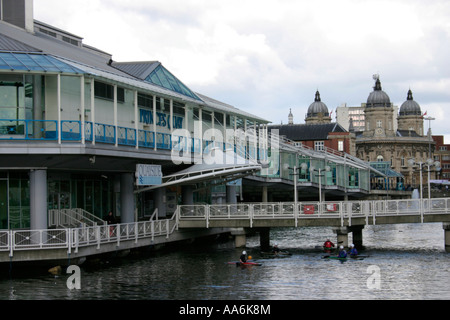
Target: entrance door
(59, 200)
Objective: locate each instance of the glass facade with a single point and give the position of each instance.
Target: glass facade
(16, 92)
(93, 194)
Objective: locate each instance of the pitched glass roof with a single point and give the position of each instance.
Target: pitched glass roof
(162, 77)
(385, 168)
(34, 62)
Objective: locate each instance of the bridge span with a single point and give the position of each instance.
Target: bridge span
(344, 217)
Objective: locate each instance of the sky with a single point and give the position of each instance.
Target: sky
(269, 56)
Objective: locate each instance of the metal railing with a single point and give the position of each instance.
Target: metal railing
(76, 217)
(72, 131)
(72, 239)
(331, 209)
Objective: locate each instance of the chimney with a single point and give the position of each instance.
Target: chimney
(18, 13)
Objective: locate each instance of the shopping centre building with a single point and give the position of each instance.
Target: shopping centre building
(79, 130)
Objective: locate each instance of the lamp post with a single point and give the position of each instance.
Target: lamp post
(437, 165)
(429, 163)
(312, 169)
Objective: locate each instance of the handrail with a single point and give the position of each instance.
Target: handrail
(71, 131)
(87, 215)
(74, 238)
(72, 217)
(329, 209)
(154, 215)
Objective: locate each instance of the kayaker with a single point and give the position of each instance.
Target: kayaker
(275, 249)
(353, 252)
(243, 257)
(328, 245)
(342, 253)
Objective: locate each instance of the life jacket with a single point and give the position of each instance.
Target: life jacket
(342, 254)
(328, 244)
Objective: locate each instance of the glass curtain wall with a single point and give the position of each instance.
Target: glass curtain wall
(16, 92)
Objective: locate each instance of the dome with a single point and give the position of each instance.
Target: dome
(410, 107)
(378, 98)
(317, 107)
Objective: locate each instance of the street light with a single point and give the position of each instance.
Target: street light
(312, 169)
(429, 163)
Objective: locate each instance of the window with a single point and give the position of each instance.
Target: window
(379, 123)
(380, 158)
(340, 145)
(106, 91)
(319, 146)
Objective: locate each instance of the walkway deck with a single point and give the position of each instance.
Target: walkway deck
(189, 222)
(75, 244)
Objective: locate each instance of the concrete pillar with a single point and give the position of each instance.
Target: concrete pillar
(446, 226)
(160, 201)
(264, 239)
(264, 194)
(38, 200)
(240, 239)
(231, 195)
(187, 195)
(342, 236)
(357, 236)
(127, 198)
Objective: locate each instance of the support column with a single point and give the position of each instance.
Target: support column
(342, 236)
(264, 194)
(231, 194)
(38, 200)
(187, 195)
(357, 236)
(127, 198)
(264, 239)
(240, 238)
(160, 201)
(446, 226)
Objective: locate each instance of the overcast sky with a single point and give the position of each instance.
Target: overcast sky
(269, 56)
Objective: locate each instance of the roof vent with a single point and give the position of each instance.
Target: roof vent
(18, 13)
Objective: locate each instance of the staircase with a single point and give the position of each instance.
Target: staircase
(72, 218)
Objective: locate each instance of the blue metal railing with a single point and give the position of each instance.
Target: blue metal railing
(72, 131)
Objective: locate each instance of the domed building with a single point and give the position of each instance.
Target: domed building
(378, 98)
(318, 132)
(382, 142)
(317, 112)
(379, 113)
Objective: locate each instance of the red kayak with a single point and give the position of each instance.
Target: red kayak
(248, 263)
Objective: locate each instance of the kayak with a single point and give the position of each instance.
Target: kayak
(248, 263)
(277, 254)
(346, 258)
